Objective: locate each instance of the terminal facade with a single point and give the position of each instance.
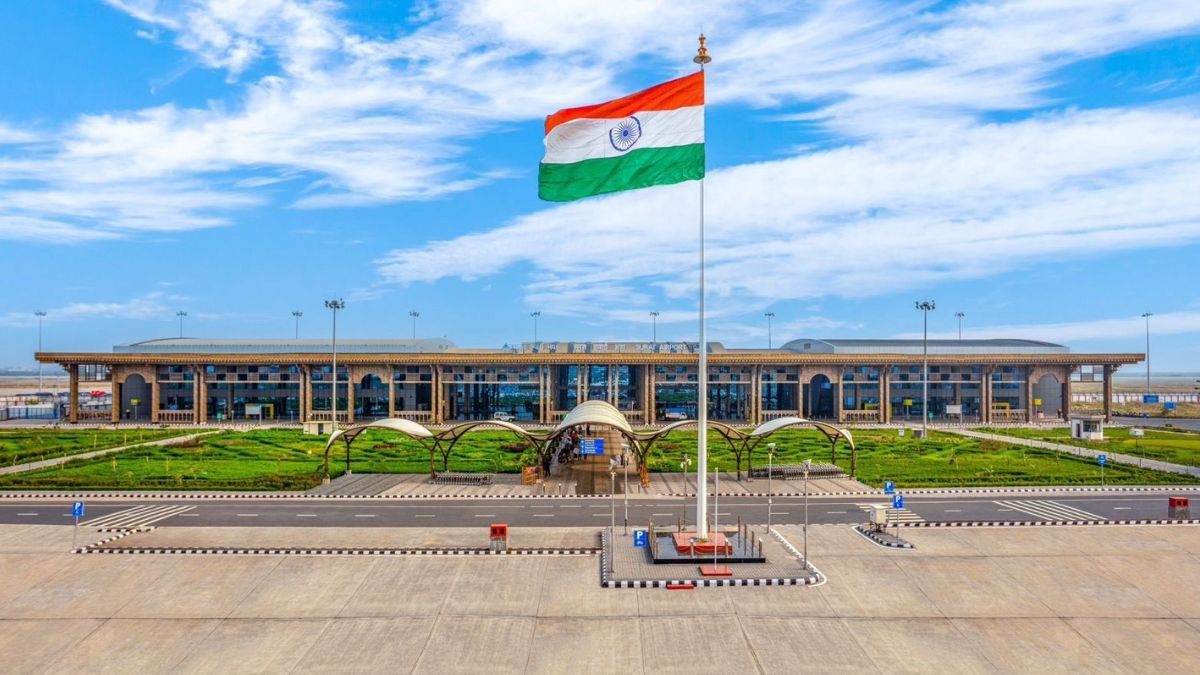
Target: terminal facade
(199, 381)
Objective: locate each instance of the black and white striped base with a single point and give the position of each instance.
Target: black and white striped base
(882, 541)
(189, 550)
(1047, 523)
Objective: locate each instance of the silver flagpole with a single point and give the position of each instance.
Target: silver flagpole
(701, 59)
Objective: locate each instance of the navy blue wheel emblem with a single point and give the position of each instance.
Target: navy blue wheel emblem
(626, 133)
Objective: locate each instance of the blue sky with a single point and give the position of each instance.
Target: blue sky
(1031, 164)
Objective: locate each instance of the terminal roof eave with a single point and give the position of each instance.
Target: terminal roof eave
(469, 358)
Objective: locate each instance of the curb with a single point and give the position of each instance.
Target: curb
(91, 548)
(287, 495)
(1048, 523)
(605, 582)
(874, 537)
(953, 491)
(190, 550)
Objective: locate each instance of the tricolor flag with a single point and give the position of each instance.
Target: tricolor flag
(653, 137)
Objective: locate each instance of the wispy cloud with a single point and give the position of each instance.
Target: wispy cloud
(1122, 328)
(152, 305)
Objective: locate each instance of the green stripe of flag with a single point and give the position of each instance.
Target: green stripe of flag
(636, 169)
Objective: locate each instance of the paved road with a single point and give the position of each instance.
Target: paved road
(581, 512)
(1190, 423)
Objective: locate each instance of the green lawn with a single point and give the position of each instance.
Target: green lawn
(1179, 447)
(18, 446)
(289, 460)
(945, 460)
(271, 459)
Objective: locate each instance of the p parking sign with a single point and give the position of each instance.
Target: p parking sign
(641, 539)
(77, 510)
(898, 502)
(1103, 459)
(889, 487)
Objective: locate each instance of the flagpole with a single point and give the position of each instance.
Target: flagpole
(701, 59)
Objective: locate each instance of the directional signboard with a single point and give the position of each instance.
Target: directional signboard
(1103, 459)
(1169, 405)
(591, 446)
(640, 539)
(1150, 398)
(898, 502)
(889, 487)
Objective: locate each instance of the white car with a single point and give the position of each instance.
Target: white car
(504, 417)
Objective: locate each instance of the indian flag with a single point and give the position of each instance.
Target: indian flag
(653, 137)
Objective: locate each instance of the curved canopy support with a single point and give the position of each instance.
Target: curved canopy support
(589, 412)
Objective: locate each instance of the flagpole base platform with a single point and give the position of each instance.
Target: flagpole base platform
(716, 571)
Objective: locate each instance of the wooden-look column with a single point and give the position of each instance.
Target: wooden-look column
(1108, 373)
(116, 396)
(985, 393)
(154, 396)
(837, 399)
(1028, 395)
(391, 373)
(1066, 395)
(349, 398)
(885, 394)
(73, 404)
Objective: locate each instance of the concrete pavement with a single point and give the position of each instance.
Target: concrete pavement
(977, 600)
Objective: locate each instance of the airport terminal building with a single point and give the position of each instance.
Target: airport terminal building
(201, 381)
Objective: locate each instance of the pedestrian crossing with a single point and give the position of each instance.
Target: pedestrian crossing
(896, 515)
(137, 516)
(1048, 509)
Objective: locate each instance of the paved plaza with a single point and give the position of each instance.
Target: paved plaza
(1083, 599)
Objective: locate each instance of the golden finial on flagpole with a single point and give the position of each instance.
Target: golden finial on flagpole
(702, 56)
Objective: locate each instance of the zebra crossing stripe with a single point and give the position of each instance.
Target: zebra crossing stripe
(1048, 509)
(138, 516)
(896, 515)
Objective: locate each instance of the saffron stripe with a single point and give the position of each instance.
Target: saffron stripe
(635, 169)
(678, 93)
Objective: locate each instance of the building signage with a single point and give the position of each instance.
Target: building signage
(908, 401)
(1137, 433)
(1150, 398)
(591, 446)
(953, 409)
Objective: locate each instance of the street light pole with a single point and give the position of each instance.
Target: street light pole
(535, 316)
(654, 328)
(180, 315)
(770, 485)
(296, 314)
(959, 316)
(1147, 316)
(769, 315)
(414, 314)
(925, 306)
(807, 466)
(40, 315)
(335, 305)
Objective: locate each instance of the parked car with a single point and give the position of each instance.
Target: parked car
(504, 416)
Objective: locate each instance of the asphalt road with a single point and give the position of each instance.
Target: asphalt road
(579, 512)
(1189, 423)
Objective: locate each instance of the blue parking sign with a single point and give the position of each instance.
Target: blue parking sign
(640, 539)
(77, 510)
(898, 502)
(1103, 459)
(889, 487)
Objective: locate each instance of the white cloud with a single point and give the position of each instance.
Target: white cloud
(879, 217)
(366, 119)
(147, 306)
(1123, 328)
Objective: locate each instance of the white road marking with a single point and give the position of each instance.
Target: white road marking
(26, 514)
(601, 515)
(835, 512)
(785, 513)
(570, 506)
(662, 514)
(138, 516)
(543, 515)
(364, 515)
(306, 515)
(188, 515)
(485, 515)
(247, 515)
(424, 515)
(951, 510)
(1049, 510)
(1121, 508)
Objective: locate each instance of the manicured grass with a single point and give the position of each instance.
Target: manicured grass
(944, 460)
(273, 459)
(18, 446)
(1179, 447)
(289, 460)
